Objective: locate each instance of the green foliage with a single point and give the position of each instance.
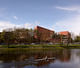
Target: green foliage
(77, 39)
(16, 36)
(56, 36)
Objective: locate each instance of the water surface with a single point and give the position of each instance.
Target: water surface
(55, 58)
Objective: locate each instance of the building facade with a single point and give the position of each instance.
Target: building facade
(46, 35)
(43, 34)
(65, 37)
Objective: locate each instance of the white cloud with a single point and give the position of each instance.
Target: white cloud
(70, 24)
(69, 8)
(15, 17)
(31, 25)
(8, 24)
(28, 25)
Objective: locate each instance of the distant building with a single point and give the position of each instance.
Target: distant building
(46, 35)
(65, 36)
(43, 34)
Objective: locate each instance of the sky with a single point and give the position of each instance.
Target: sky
(57, 15)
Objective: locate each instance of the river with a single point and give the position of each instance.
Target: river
(41, 58)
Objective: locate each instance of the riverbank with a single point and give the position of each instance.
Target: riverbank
(41, 46)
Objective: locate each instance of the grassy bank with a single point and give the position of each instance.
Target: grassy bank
(31, 46)
(40, 46)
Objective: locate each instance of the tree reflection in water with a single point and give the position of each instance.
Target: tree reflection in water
(34, 58)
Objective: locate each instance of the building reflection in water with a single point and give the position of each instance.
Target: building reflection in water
(20, 59)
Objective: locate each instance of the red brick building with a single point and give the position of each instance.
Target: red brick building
(65, 36)
(43, 34)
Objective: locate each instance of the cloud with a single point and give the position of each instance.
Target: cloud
(69, 8)
(8, 24)
(28, 25)
(31, 25)
(69, 24)
(15, 17)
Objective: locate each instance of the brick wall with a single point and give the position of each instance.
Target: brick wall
(45, 34)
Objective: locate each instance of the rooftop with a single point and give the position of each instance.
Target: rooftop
(64, 33)
(43, 28)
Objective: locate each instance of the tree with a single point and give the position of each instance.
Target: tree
(77, 39)
(56, 38)
(7, 37)
(22, 35)
(0, 39)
